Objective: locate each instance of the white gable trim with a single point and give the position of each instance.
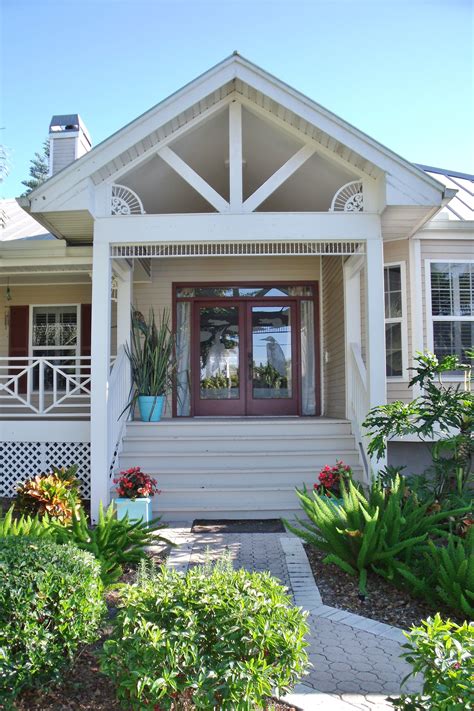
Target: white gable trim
(221, 80)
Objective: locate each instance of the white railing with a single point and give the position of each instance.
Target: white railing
(118, 397)
(54, 386)
(358, 400)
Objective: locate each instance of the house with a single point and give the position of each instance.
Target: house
(303, 264)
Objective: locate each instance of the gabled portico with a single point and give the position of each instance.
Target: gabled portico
(239, 180)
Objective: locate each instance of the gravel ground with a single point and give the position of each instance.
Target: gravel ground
(384, 603)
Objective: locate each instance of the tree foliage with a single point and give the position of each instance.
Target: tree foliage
(39, 169)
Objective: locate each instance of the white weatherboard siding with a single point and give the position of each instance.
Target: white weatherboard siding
(333, 338)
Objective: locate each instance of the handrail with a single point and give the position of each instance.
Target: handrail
(45, 386)
(118, 397)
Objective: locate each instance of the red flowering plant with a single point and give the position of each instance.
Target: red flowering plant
(135, 484)
(330, 479)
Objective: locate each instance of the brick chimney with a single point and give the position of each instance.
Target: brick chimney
(68, 139)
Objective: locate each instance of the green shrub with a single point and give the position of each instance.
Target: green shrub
(444, 653)
(114, 543)
(379, 531)
(220, 638)
(50, 604)
(55, 494)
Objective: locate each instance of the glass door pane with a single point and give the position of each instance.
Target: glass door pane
(219, 352)
(272, 356)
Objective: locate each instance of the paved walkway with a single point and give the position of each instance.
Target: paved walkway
(356, 662)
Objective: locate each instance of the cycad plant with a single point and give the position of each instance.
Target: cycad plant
(152, 356)
(452, 573)
(378, 532)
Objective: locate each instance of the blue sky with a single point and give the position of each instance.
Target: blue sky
(400, 70)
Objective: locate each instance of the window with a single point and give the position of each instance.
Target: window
(394, 320)
(452, 308)
(54, 336)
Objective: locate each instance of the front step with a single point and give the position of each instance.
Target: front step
(235, 467)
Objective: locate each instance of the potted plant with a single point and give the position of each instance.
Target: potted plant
(151, 355)
(135, 489)
(330, 479)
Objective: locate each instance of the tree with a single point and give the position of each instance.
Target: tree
(39, 169)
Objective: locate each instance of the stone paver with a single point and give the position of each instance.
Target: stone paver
(355, 661)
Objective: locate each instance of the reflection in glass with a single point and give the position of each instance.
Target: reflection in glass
(259, 292)
(219, 352)
(271, 346)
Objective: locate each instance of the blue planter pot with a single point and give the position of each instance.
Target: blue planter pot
(135, 508)
(151, 407)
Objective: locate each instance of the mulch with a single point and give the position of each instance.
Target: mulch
(269, 525)
(384, 602)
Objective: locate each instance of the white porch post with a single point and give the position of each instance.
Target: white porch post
(124, 303)
(375, 320)
(100, 369)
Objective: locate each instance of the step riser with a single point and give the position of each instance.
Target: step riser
(243, 480)
(194, 428)
(241, 500)
(132, 445)
(252, 461)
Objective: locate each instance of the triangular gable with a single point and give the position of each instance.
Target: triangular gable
(68, 190)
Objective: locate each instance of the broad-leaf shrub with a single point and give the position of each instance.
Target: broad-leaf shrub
(55, 494)
(444, 653)
(114, 543)
(379, 531)
(51, 603)
(220, 638)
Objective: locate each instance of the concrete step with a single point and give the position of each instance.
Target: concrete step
(220, 461)
(227, 442)
(237, 426)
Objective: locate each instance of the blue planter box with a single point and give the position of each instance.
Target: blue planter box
(135, 508)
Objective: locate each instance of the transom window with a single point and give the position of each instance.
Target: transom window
(260, 292)
(394, 316)
(452, 308)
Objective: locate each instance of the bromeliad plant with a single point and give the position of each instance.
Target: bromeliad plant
(376, 532)
(55, 494)
(330, 479)
(135, 484)
(152, 356)
(450, 573)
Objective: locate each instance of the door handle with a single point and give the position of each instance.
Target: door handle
(250, 365)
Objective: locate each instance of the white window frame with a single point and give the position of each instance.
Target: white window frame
(428, 306)
(77, 351)
(403, 320)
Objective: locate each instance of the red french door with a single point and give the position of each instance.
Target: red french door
(245, 357)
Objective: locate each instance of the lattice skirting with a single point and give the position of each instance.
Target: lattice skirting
(22, 460)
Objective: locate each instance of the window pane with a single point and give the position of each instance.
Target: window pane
(393, 346)
(452, 289)
(54, 326)
(453, 338)
(393, 292)
(251, 291)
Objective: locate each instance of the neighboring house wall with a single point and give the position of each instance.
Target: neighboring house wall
(333, 338)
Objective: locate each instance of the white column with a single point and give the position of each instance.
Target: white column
(416, 297)
(352, 322)
(375, 319)
(100, 369)
(124, 303)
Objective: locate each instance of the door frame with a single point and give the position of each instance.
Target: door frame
(249, 283)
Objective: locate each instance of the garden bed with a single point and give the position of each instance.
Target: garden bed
(384, 603)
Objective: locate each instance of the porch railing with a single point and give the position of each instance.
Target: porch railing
(359, 400)
(54, 386)
(118, 397)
